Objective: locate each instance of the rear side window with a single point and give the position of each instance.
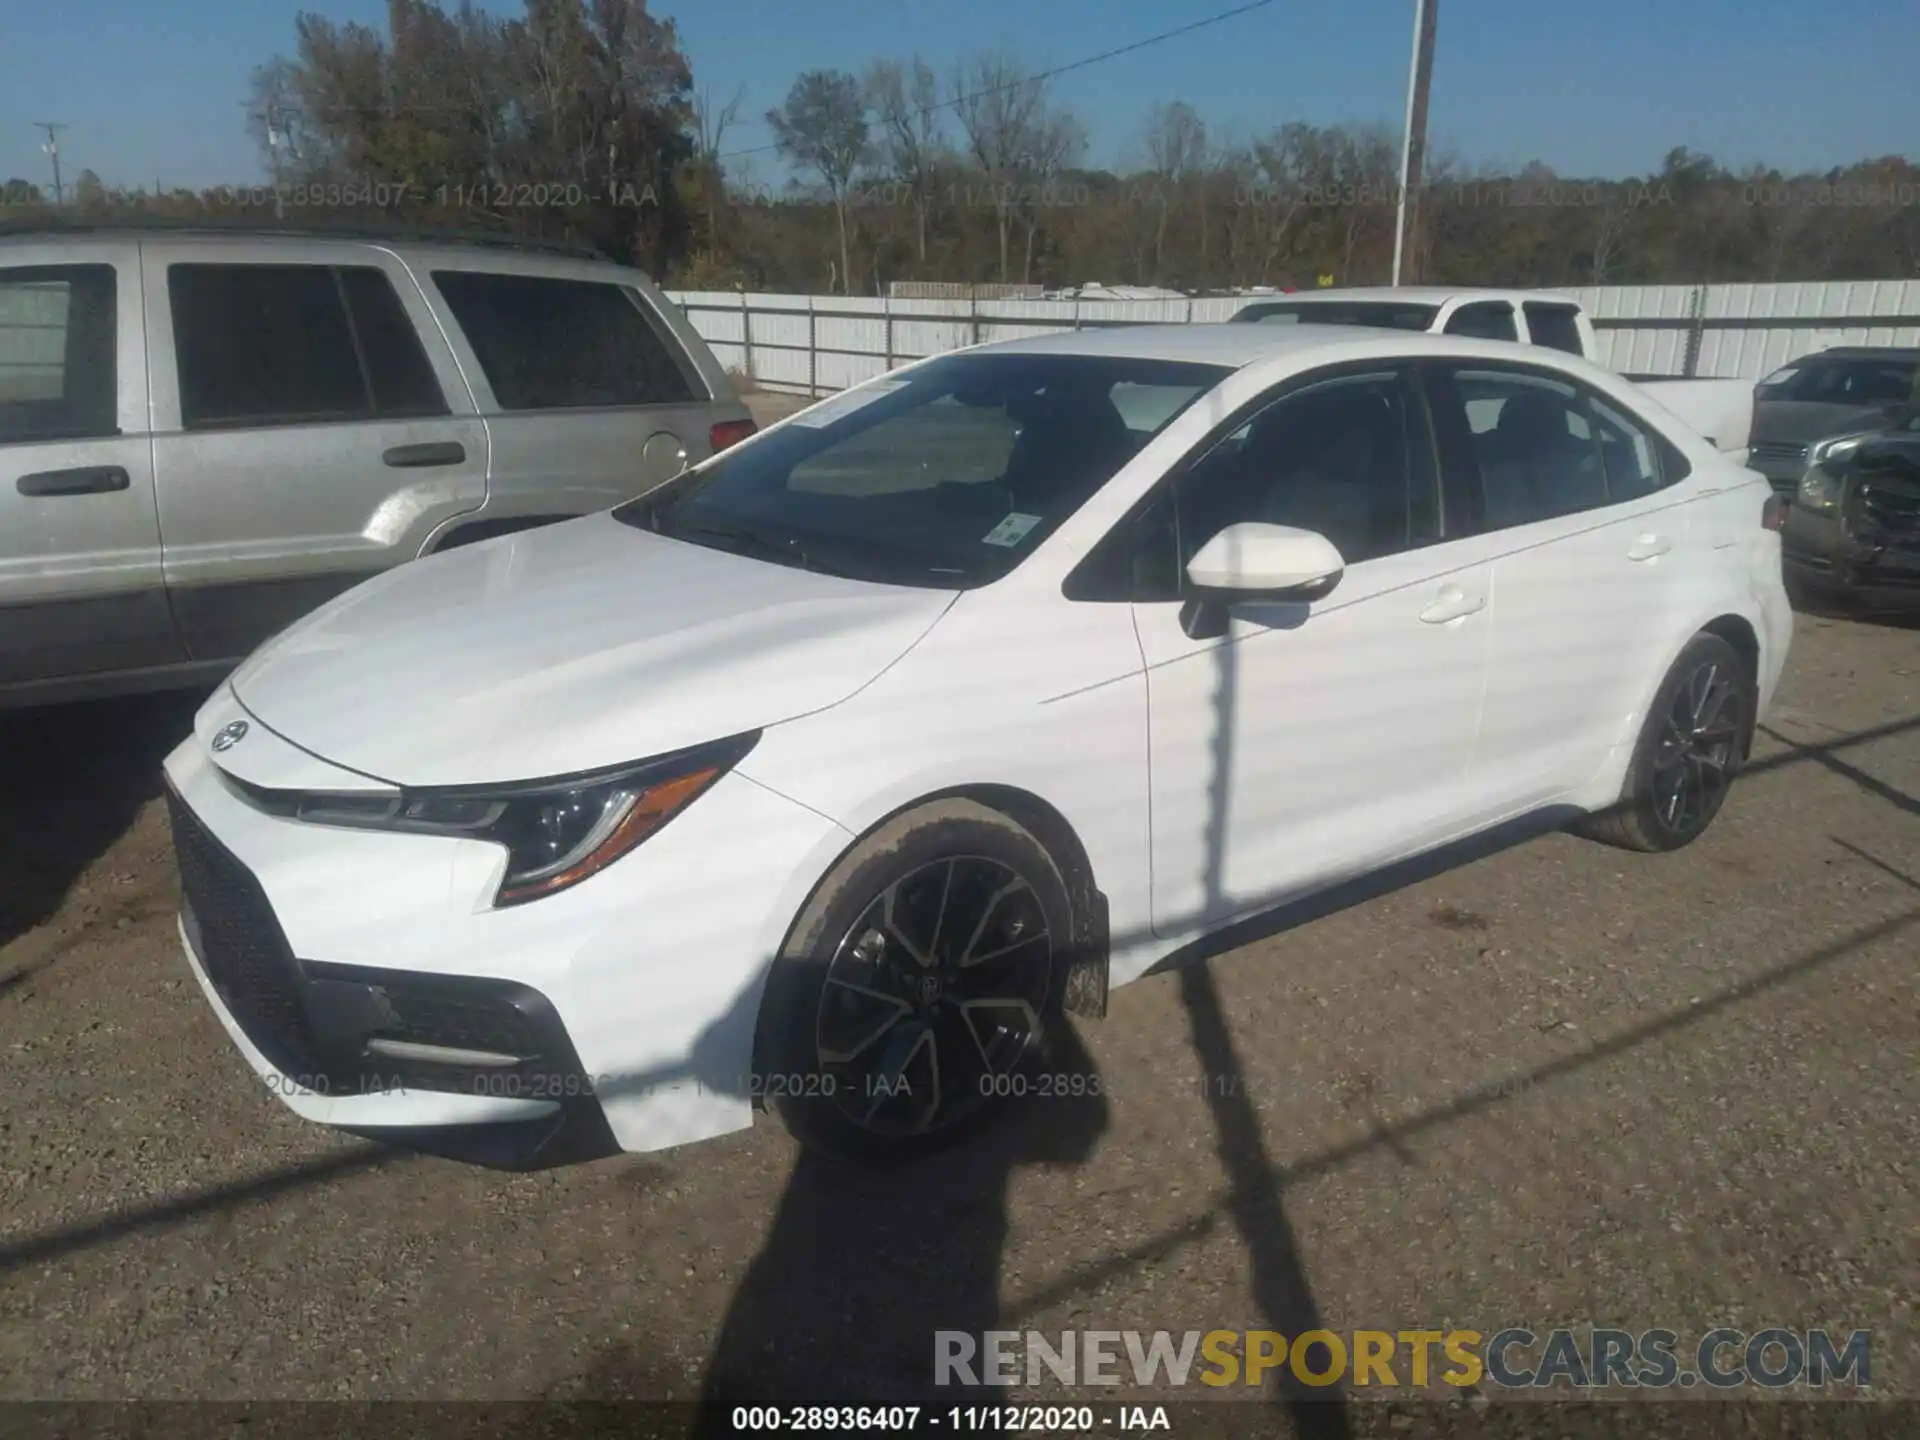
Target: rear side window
(1544, 447)
(563, 344)
(57, 345)
(1487, 320)
(1555, 326)
(293, 345)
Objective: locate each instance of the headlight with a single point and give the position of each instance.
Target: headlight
(1835, 450)
(556, 832)
(1819, 491)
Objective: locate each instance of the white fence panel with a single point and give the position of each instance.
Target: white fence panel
(824, 343)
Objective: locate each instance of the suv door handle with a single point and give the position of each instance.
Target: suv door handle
(83, 480)
(433, 452)
(1649, 546)
(1452, 604)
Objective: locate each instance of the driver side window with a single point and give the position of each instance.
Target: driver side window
(1349, 458)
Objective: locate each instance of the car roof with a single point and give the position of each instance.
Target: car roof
(1416, 295)
(413, 239)
(1234, 346)
(1862, 352)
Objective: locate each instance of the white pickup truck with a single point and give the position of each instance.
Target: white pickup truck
(1722, 410)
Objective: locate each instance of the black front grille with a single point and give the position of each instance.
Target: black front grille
(1782, 451)
(241, 945)
(1889, 505)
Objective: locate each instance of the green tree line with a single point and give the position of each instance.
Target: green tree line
(581, 119)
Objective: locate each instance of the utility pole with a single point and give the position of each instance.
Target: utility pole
(1413, 154)
(52, 147)
(276, 141)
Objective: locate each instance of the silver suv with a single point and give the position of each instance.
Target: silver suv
(204, 435)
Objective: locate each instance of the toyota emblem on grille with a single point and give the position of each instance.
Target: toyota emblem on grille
(231, 734)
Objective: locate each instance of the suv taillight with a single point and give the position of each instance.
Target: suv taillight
(1773, 514)
(729, 432)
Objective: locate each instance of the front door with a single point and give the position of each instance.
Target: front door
(81, 591)
(1315, 740)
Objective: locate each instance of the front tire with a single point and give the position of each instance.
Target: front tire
(925, 972)
(1694, 739)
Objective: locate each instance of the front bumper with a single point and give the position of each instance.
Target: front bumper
(1823, 551)
(351, 1046)
(616, 1015)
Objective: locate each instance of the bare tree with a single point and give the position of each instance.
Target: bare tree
(823, 126)
(1176, 152)
(1000, 105)
(906, 103)
(711, 122)
(1058, 141)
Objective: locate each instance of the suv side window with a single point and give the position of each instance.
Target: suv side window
(563, 344)
(1554, 326)
(1350, 458)
(58, 377)
(1484, 320)
(264, 345)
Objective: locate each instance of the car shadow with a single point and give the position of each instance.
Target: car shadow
(72, 780)
(863, 1266)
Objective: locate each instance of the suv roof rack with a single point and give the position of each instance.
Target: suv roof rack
(201, 225)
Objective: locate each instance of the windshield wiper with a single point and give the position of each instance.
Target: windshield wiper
(783, 552)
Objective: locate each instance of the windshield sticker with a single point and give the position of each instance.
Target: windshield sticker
(1012, 530)
(840, 406)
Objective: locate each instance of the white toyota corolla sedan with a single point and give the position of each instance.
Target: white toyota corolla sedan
(821, 777)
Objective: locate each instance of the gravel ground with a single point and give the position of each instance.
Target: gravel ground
(1558, 1085)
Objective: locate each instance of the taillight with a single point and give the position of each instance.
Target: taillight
(1773, 514)
(729, 432)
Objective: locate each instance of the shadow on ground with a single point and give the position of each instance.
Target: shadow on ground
(862, 1266)
(72, 779)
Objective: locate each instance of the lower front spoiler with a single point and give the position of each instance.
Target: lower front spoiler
(577, 1133)
(493, 1131)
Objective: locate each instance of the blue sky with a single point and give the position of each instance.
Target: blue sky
(153, 88)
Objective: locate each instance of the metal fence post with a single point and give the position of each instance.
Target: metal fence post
(1696, 330)
(813, 351)
(1076, 312)
(888, 302)
(746, 334)
(973, 311)
(1189, 310)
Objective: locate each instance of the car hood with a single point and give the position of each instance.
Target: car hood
(570, 648)
(1804, 421)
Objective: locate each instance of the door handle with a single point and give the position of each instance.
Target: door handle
(1453, 604)
(433, 452)
(82, 480)
(1648, 547)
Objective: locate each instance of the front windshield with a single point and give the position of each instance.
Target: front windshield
(1863, 381)
(944, 476)
(1374, 314)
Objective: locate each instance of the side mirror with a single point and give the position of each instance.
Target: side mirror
(1257, 561)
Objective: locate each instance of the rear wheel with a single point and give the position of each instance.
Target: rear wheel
(921, 978)
(1695, 736)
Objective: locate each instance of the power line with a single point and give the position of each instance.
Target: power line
(1057, 70)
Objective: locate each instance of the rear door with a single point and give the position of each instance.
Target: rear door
(81, 589)
(311, 429)
(1591, 550)
(589, 398)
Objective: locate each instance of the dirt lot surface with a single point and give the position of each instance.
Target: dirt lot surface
(1555, 1085)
